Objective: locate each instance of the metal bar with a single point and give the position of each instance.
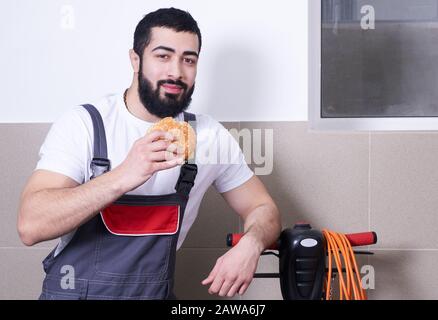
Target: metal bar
(266, 275)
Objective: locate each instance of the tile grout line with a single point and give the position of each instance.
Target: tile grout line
(369, 181)
(369, 188)
(405, 249)
(369, 249)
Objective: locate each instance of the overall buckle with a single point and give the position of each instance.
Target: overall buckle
(186, 178)
(99, 166)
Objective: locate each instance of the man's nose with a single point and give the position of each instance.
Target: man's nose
(175, 70)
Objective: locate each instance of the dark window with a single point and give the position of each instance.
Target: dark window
(386, 67)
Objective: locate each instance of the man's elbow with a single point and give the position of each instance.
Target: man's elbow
(26, 230)
(26, 234)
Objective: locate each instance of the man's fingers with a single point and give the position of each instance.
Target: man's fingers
(209, 279)
(163, 165)
(159, 145)
(218, 280)
(157, 135)
(216, 285)
(243, 288)
(225, 288)
(212, 275)
(175, 148)
(162, 156)
(234, 289)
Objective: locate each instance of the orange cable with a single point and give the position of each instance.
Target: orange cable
(350, 288)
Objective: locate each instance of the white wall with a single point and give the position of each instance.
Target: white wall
(56, 54)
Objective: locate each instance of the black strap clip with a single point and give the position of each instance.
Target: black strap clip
(99, 166)
(186, 179)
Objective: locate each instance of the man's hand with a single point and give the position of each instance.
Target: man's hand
(148, 155)
(235, 270)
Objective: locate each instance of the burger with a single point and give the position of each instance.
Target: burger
(182, 132)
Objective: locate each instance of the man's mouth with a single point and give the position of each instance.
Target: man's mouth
(172, 88)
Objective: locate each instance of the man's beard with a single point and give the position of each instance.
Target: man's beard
(169, 106)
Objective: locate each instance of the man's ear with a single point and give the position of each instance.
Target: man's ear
(135, 60)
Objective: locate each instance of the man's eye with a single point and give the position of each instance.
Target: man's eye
(189, 61)
(163, 56)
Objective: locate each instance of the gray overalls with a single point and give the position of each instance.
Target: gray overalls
(128, 250)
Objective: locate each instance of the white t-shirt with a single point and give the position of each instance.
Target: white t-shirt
(68, 149)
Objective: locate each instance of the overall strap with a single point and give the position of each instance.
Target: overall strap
(188, 172)
(100, 163)
(191, 119)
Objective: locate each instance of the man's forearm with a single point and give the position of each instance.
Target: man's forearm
(263, 226)
(50, 213)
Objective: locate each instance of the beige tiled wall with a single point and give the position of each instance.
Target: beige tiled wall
(347, 182)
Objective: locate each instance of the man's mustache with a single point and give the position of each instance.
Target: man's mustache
(174, 82)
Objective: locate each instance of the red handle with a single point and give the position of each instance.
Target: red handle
(356, 239)
(234, 238)
(362, 239)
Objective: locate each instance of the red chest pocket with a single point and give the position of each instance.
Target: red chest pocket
(142, 220)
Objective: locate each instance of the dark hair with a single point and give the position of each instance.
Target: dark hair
(172, 18)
